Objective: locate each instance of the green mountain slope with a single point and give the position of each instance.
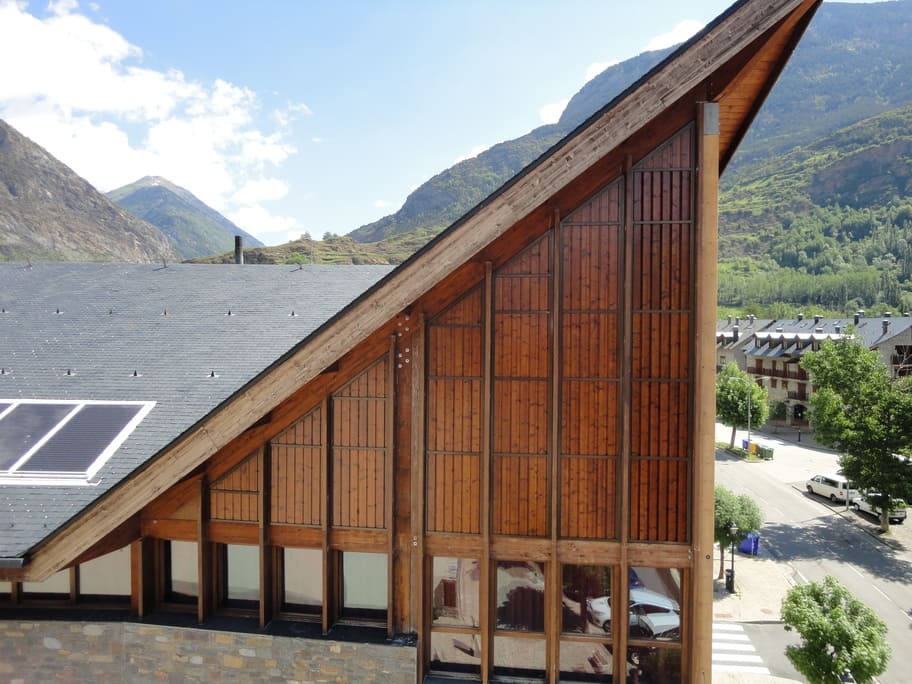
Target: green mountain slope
(828, 223)
(193, 228)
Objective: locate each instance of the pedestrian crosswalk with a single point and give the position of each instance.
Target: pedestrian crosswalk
(732, 650)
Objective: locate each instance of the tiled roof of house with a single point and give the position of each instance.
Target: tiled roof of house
(185, 336)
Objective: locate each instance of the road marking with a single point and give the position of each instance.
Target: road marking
(737, 658)
(874, 587)
(733, 652)
(745, 669)
(856, 571)
(732, 647)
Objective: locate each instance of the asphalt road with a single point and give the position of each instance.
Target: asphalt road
(814, 539)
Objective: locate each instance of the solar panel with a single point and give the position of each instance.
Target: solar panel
(81, 440)
(64, 440)
(23, 427)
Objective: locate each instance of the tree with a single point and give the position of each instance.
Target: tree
(839, 633)
(860, 410)
(740, 402)
(738, 509)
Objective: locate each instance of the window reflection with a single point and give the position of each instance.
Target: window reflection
(653, 665)
(655, 603)
(520, 596)
(181, 580)
(519, 657)
(584, 661)
(456, 652)
(455, 598)
(585, 599)
(303, 578)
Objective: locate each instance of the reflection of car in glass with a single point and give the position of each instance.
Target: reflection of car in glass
(866, 504)
(652, 615)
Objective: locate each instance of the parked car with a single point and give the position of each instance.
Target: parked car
(652, 615)
(866, 504)
(834, 487)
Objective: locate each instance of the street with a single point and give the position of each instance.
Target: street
(813, 538)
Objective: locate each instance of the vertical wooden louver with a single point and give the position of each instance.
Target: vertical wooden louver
(589, 374)
(454, 417)
(663, 225)
(297, 463)
(359, 449)
(233, 497)
(521, 385)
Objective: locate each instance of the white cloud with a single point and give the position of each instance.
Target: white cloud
(78, 90)
(268, 227)
(382, 204)
(681, 32)
(596, 68)
(476, 150)
(551, 113)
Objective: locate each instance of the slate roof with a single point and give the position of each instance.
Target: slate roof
(169, 324)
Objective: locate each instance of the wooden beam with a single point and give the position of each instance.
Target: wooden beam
(706, 236)
(411, 280)
(421, 610)
(485, 596)
(266, 552)
(553, 605)
(389, 498)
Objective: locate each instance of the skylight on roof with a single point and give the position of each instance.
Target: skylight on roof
(62, 442)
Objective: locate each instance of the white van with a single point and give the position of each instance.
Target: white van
(834, 487)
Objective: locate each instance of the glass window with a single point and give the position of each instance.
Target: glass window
(585, 661)
(455, 587)
(519, 657)
(652, 665)
(56, 586)
(520, 596)
(655, 603)
(182, 583)
(243, 575)
(585, 599)
(456, 652)
(303, 580)
(364, 585)
(107, 575)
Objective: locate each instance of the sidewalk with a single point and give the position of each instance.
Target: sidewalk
(760, 586)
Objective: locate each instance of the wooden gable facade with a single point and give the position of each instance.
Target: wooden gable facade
(509, 440)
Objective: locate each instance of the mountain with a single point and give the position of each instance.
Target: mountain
(194, 229)
(852, 63)
(451, 193)
(47, 212)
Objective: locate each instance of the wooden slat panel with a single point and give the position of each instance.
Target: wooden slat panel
(465, 311)
(358, 487)
(589, 418)
(233, 497)
(661, 345)
(455, 351)
(305, 432)
(521, 345)
(536, 258)
(660, 427)
(454, 483)
(520, 416)
(662, 265)
(603, 208)
(454, 415)
(658, 499)
(520, 495)
(296, 476)
(590, 268)
(589, 345)
(588, 498)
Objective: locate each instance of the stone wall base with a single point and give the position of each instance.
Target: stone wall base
(51, 651)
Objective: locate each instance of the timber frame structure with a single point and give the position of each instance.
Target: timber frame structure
(513, 424)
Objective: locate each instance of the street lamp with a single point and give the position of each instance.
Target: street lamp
(730, 580)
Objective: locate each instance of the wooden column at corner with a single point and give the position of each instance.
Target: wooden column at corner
(704, 415)
(389, 489)
(267, 552)
(330, 611)
(142, 570)
(485, 595)
(420, 607)
(205, 601)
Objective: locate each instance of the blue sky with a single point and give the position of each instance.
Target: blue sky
(294, 116)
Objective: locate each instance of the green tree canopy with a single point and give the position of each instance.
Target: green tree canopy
(838, 632)
(730, 508)
(859, 409)
(740, 402)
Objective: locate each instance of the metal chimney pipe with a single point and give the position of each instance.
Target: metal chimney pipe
(238, 249)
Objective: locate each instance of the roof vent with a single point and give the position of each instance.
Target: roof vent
(292, 314)
(164, 312)
(818, 331)
(800, 316)
(4, 371)
(778, 328)
(838, 328)
(886, 326)
(229, 313)
(136, 374)
(70, 371)
(857, 317)
(238, 249)
(817, 318)
(58, 311)
(888, 314)
(736, 332)
(213, 374)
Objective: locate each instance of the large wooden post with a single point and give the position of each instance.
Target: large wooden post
(704, 417)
